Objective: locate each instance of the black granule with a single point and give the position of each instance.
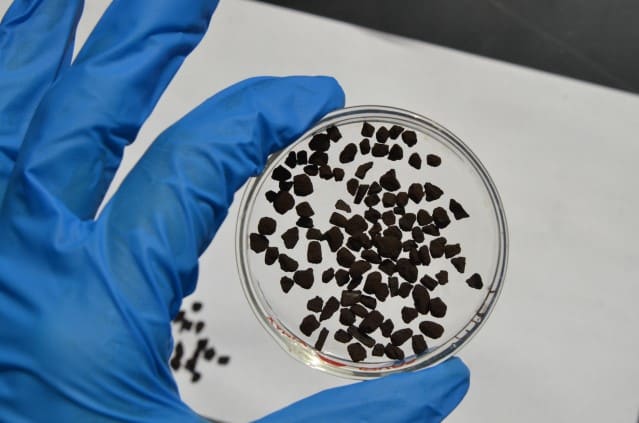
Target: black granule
(302, 185)
(196, 306)
(311, 170)
(389, 246)
(319, 142)
(325, 172)
(341, 205)
(407, 270)
(373, 279)
(321, 339)
(368, 301)
(348, 153)
(375, 229)
(341, 277)
(270, 196)
(382, 291)
(371, 200)
(309, 325)
(382, 134)
(365, 146)
(314, 233)
(457, 210)
(417, 234)
(408, 314)
(315, 304)
(375, 188)
(389, 181)
(395, 153)
(386, 328)
(266, 226)
(330, 307)
(441, 217)
(328, 274)
(356, 224)
(433, 160)
(354, 283)
(421, 299)
(338, 219)
(402, 199)
(416, 192)
(406, 222)
(393, 286)
(346, 317)
(318, 158)
(356, 351)
(280, 173)
(352, 185)
(283, 202)
(209, 353)
(433, 192)
(428, 282)
(393, 352)
(379, 150)
(368, 130)
(363, 169)
(424, 218)
(304, 278)
(419, 344)
(372, 215)
(431, 230)
(355, 243)
(314, 252)
(415, 161)
(437, 246)
(286, 283)
(400, 336)
(287, 264)
(442, 277)
(333, 133)
(342, 336)
(258, 243)
(302, 157)
(359, 310)
(475, 281)
(388, 218)
(334, 237)
(223, 360)
(338, 173)
(404, 289)
(413, 256)
(437, 307)
(394, 132)
(431, 329)
(361, 337)
(358, 268)
(409, 138)
(371, 256)
(451, 250)
(388, 266)
(371, 322)
(393, 231)
(285, 185)
(304, 222)
(291, 160)
(361, 192)
(459, 263)
(399, 210)
(388, 199)
(304, 210)
(290, 237)
(271, 255)
(350, 297)
(378, 350)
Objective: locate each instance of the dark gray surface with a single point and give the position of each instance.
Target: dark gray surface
(592, 40)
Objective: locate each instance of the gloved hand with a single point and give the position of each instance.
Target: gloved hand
(86, 301)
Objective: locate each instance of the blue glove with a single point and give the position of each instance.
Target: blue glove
(86, 301)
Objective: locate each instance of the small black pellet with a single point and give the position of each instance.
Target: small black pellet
(304, 209)
(321, 339)
(361, 337)
(400, 336)
(459, 263)
(381, 292)
(378, 350)
(334, 237)
(285, 185)
(338, 173)
(352, 185)
(393, 231)
(419, 344)
(433, 192)
(388, 266)
(413, 256)
(368, 301)
(283, 202)
(372, 215)
(338, 219)
(408, 314)
(355, 244)
(388, 199)
(341, 277)
(309, 325)
(441, 217)
(395, 153)
(428, 282)
(406, 222)
(405, 289)
(475, 281)
(348, 153)
(451, 250)
(302, 157)
(304, 278)
(350, 297)
(287, 264)
(424, 218)
(379, 150)
(437, 247)
(433, 160)
(457, 210)
(371, 256)
(371, 322)
(330, 307)
(371, 200)
(271, 255)
(416, 192)
(361, 192)
(318, 158)
(342, 336)
(407, 270)
(270, 196)
(358, 268)
(375, 229)
(437, 307)
(291, 159)
(382, 134)
(393, 352)
(302, 185)
(417, 234)
(325, 172)
(393, 286)
(431, 230)
(442, 277)
(409, 138)
(341, 205)
(421, 299)
(359, 310)
(367, 130)
(311, 170)
(386, 328)
(290, 237)
(431, 329)
(356, 351)
(389, 181)
(286, 283)
(314, 233)
(424, 255)
(333, 133)
(304, 222)
(402, 199)
(373, 279)
(258, 242)
(315, 304)
(346, 317)
(409, 245)
(388, 218)
(319, 142)
(345, 257)
(363, 169)
(266, 226)
(375, 188)
(354, 283)
(280, 173)
(356, 225)
(389, 246)
(328, 274)
(399, 210)
(394, 131)
(415, 161)
(365, 146)
(314, 252)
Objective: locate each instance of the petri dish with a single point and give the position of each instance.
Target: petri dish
(437, 288)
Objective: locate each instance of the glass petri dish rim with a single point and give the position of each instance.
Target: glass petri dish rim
(305, 352)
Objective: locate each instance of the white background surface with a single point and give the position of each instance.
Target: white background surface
(562, 344)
